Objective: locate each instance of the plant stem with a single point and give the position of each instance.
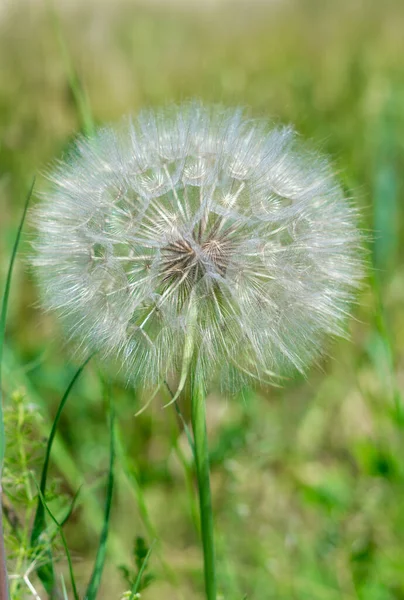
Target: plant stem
(198, 416)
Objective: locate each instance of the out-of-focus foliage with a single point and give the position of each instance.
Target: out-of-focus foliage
(308, 480)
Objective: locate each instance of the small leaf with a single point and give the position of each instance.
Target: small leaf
(126, 574)
(140, 551)
(137, 584)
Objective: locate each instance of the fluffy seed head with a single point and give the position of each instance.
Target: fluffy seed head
(198, 223)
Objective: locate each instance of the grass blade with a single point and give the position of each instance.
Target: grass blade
(64, 590)
(132, 477)
(3, 317)
(79, 95)
(136, 585)
(62, 535)
(95, 580)
(3, 314)
(92, 512)
(71, 508)
(46, 572)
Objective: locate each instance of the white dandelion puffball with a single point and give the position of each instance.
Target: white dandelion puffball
(198, 223)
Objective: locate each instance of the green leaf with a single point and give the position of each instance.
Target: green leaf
(140, 551)
(136, 585)
(62, 535)
(3, 316)
(95, 580)
(46, 572)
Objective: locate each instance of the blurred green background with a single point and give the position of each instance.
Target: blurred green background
(308, 480)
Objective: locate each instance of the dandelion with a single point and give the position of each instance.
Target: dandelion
(198, 221)
(198, 241)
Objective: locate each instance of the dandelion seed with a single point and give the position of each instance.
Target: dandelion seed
(198, 211)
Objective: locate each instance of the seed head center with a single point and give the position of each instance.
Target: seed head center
(189, 260)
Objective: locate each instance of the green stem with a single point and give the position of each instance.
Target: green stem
(198, 417)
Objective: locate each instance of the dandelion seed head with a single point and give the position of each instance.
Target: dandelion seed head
(199, 211)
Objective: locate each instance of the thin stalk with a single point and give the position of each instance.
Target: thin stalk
(186, 465)
(198, 418)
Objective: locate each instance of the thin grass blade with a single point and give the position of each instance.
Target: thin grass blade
(3, 314)
(3, 317)
(66, 516)
(62, 535)
(80, 98)
(62, 457)
(138, 581)
(46, 572)
(132, 477)
(70, 509)
(95, 580)
(64, 590)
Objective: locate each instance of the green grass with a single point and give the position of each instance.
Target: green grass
(308, 481)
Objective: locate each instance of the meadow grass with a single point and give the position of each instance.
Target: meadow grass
(308, 480)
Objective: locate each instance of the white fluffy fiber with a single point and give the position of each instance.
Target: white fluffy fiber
(197, 221)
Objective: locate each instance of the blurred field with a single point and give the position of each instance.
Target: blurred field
(308, 480)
